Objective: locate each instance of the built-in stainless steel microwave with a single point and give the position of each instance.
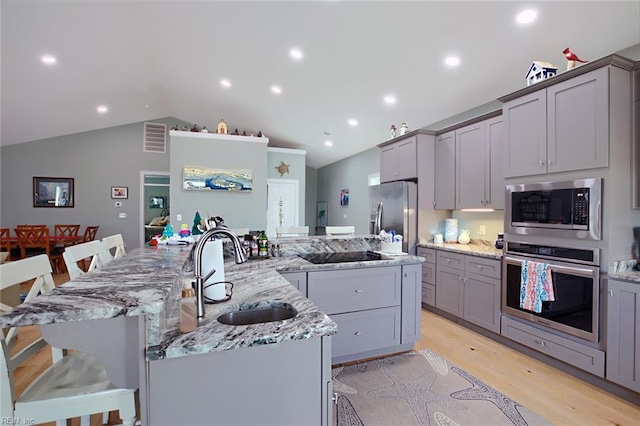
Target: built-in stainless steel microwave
(567, 209)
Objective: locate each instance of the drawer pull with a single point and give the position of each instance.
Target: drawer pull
(448, 260)
(357, 333)
(540, 342)
(479, 266)
(358, 291)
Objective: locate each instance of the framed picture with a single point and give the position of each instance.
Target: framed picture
(157, 202)
(321, 214)
(119, 192)
(344, 197)
(204, 179)
(53, 192)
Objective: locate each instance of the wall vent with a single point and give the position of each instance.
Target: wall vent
(155, 138)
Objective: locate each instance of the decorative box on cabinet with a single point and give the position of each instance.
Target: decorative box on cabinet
(468, 287)
(398, 161)
(569, 351)
(428, 276)
(546, 132)
(623, 334)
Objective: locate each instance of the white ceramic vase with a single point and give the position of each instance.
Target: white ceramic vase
(464, 237)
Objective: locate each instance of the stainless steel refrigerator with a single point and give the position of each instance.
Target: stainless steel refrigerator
(394, 206)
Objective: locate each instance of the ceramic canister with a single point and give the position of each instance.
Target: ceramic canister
(451, 230)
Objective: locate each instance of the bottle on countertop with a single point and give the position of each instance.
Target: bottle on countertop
(188, 320)
(254, 248)
(263, 245)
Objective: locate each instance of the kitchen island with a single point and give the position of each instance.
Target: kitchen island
(126, 314)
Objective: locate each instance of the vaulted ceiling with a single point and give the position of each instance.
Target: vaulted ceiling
(152, 59)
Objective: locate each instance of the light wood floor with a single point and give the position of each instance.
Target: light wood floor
(559, 397)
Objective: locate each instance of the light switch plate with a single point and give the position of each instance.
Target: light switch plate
(122, 215)
(178, 216)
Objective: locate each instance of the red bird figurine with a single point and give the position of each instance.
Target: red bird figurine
(571, 58)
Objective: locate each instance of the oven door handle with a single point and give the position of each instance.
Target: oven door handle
(569, 270)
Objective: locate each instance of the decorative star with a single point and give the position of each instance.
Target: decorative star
(437, 362)
(480, 391)
(338, 386)
(345, 413)
(417, 393)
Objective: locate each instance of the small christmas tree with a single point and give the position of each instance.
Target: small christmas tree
(196, 221)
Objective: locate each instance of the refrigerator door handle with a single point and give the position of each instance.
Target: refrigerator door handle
(378, 225)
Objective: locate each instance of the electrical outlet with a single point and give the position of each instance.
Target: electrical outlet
(178, 217)
(122, 215)
(344, 216)
(483, 230)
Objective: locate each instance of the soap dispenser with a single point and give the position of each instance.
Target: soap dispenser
(188, 314)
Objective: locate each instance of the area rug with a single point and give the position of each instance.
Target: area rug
(420, 388)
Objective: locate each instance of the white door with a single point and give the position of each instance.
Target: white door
(282, 204)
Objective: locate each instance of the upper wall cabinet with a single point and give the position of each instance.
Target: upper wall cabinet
(563, 127)
(479, 181)
(398, 160)
(444, 178)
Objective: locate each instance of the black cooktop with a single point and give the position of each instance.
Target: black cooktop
(348, 256)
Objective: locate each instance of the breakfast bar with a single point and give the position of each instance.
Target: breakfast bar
(126, 314)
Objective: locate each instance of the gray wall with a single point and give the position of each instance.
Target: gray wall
(239, 210)
(97, 161)
(350, 173)
(296, 159)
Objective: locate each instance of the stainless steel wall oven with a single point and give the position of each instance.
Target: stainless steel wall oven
(568, 209)
(575, 274)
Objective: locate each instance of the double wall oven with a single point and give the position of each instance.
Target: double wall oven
(568, 213)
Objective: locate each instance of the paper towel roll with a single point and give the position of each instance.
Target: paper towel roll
(212, 259)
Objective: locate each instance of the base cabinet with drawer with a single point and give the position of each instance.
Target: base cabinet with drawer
(377, 309)
(428, 276)
(468, 287)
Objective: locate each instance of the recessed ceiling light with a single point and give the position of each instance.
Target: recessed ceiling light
(102, 109)
(225, 83)
(452, 61)
(353, 122)
(328, 143)
(296, 53)
(389, 99)
(48, 59)
(276, 89)
(526, 16)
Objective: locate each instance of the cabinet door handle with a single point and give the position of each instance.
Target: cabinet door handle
(541, 162)
(540, 342)
(357, 333)
(358, 291)
(549, 161)
(610, 292)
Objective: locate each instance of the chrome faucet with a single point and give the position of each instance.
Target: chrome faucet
(197, 261)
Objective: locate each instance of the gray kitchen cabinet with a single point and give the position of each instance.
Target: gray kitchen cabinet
(470, 166)
(468, 287)
(377, 309)
(635, 184)
(444, 179)
(398, 161)
(564, 127)
(623, 334)
(428, 276)
(494, 175)
(298, 279)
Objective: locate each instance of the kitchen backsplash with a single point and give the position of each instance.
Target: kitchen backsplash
(492, 221)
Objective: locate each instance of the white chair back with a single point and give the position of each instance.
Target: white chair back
(75, 385)
(292, 231)
(240, 232)
(340, 230)
(94, 250)
(114, 242)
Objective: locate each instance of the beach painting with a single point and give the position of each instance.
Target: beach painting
(204, 179)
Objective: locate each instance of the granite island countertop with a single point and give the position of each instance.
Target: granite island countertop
(147, 281)
(481, 248)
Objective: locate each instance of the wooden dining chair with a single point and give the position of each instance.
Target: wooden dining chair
(340, 230)
(34, 240)
(292, 231)
(5, 242)
(114, 242)
(69, 232)
(76, 385)
(90, 233)
(92, 251)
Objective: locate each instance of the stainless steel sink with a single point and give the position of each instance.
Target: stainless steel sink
(259, 315)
